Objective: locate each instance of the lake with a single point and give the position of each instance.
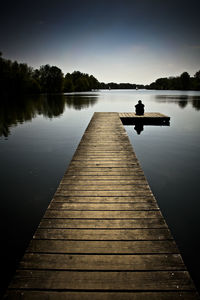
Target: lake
(38, 137)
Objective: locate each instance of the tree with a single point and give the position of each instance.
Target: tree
(182, 82)
(196, 81)
(93, 83)
(50, 78)
(197, 75)
(68, 83)
(80, 82)
(185, 81)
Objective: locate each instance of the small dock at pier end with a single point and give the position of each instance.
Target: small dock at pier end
(103, 235)
(146, 119)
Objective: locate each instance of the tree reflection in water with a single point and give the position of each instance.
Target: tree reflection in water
(181, 100)
(17, 110)
(79, 102)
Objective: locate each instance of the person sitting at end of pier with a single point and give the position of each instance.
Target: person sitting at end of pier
(139, 108)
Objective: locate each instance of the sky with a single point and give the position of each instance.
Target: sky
(134, 41)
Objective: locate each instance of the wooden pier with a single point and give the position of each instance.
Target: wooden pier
(103, 235)
(146, 119)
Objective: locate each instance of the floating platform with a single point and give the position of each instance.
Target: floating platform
(103, 235)
(146, 119)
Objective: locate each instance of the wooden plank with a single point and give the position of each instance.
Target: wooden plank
(74, 295)
(115, 153)
(103, 247)
(125, 262)
(89, 187)
(96, 140)
(106, 167)
(103, 177)
(72, 280)
(103, 206)
(106, 153)
(101, 214)
(96, 146)
(88, 184)
(103, 223)
(103, 234)
(91, 164)
(92, 199)
(104, 193)
(106, 183)
(99, 159)
(104, 172)
(107, 158)
(112, 182)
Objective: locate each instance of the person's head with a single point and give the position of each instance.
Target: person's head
(139, 101)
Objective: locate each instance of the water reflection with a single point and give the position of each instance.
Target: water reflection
(51, 106)
(182, 103)
(79, 102)
(181, 100)
(140, 124)
(15, 110)
(139, 127)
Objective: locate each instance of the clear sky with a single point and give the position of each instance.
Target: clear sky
(134, 41)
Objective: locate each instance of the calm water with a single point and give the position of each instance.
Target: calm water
(40, 134)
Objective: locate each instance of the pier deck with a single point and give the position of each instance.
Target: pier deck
(103, 235)
(146, 119)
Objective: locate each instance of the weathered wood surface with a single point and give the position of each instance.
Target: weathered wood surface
(146, 119)
(146, 115)
(74, 295)
(103, 235)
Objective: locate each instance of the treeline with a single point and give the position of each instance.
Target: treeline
(117, 86)
(182, 82)
(19, 78)
(80, 82)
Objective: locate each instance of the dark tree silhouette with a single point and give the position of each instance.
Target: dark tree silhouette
(68, 83)
(50, 78)
(16, 78)
(80, 82)
(182, 82)
(197, 75)
(19, 78)
(197, 80)
(185, 81)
